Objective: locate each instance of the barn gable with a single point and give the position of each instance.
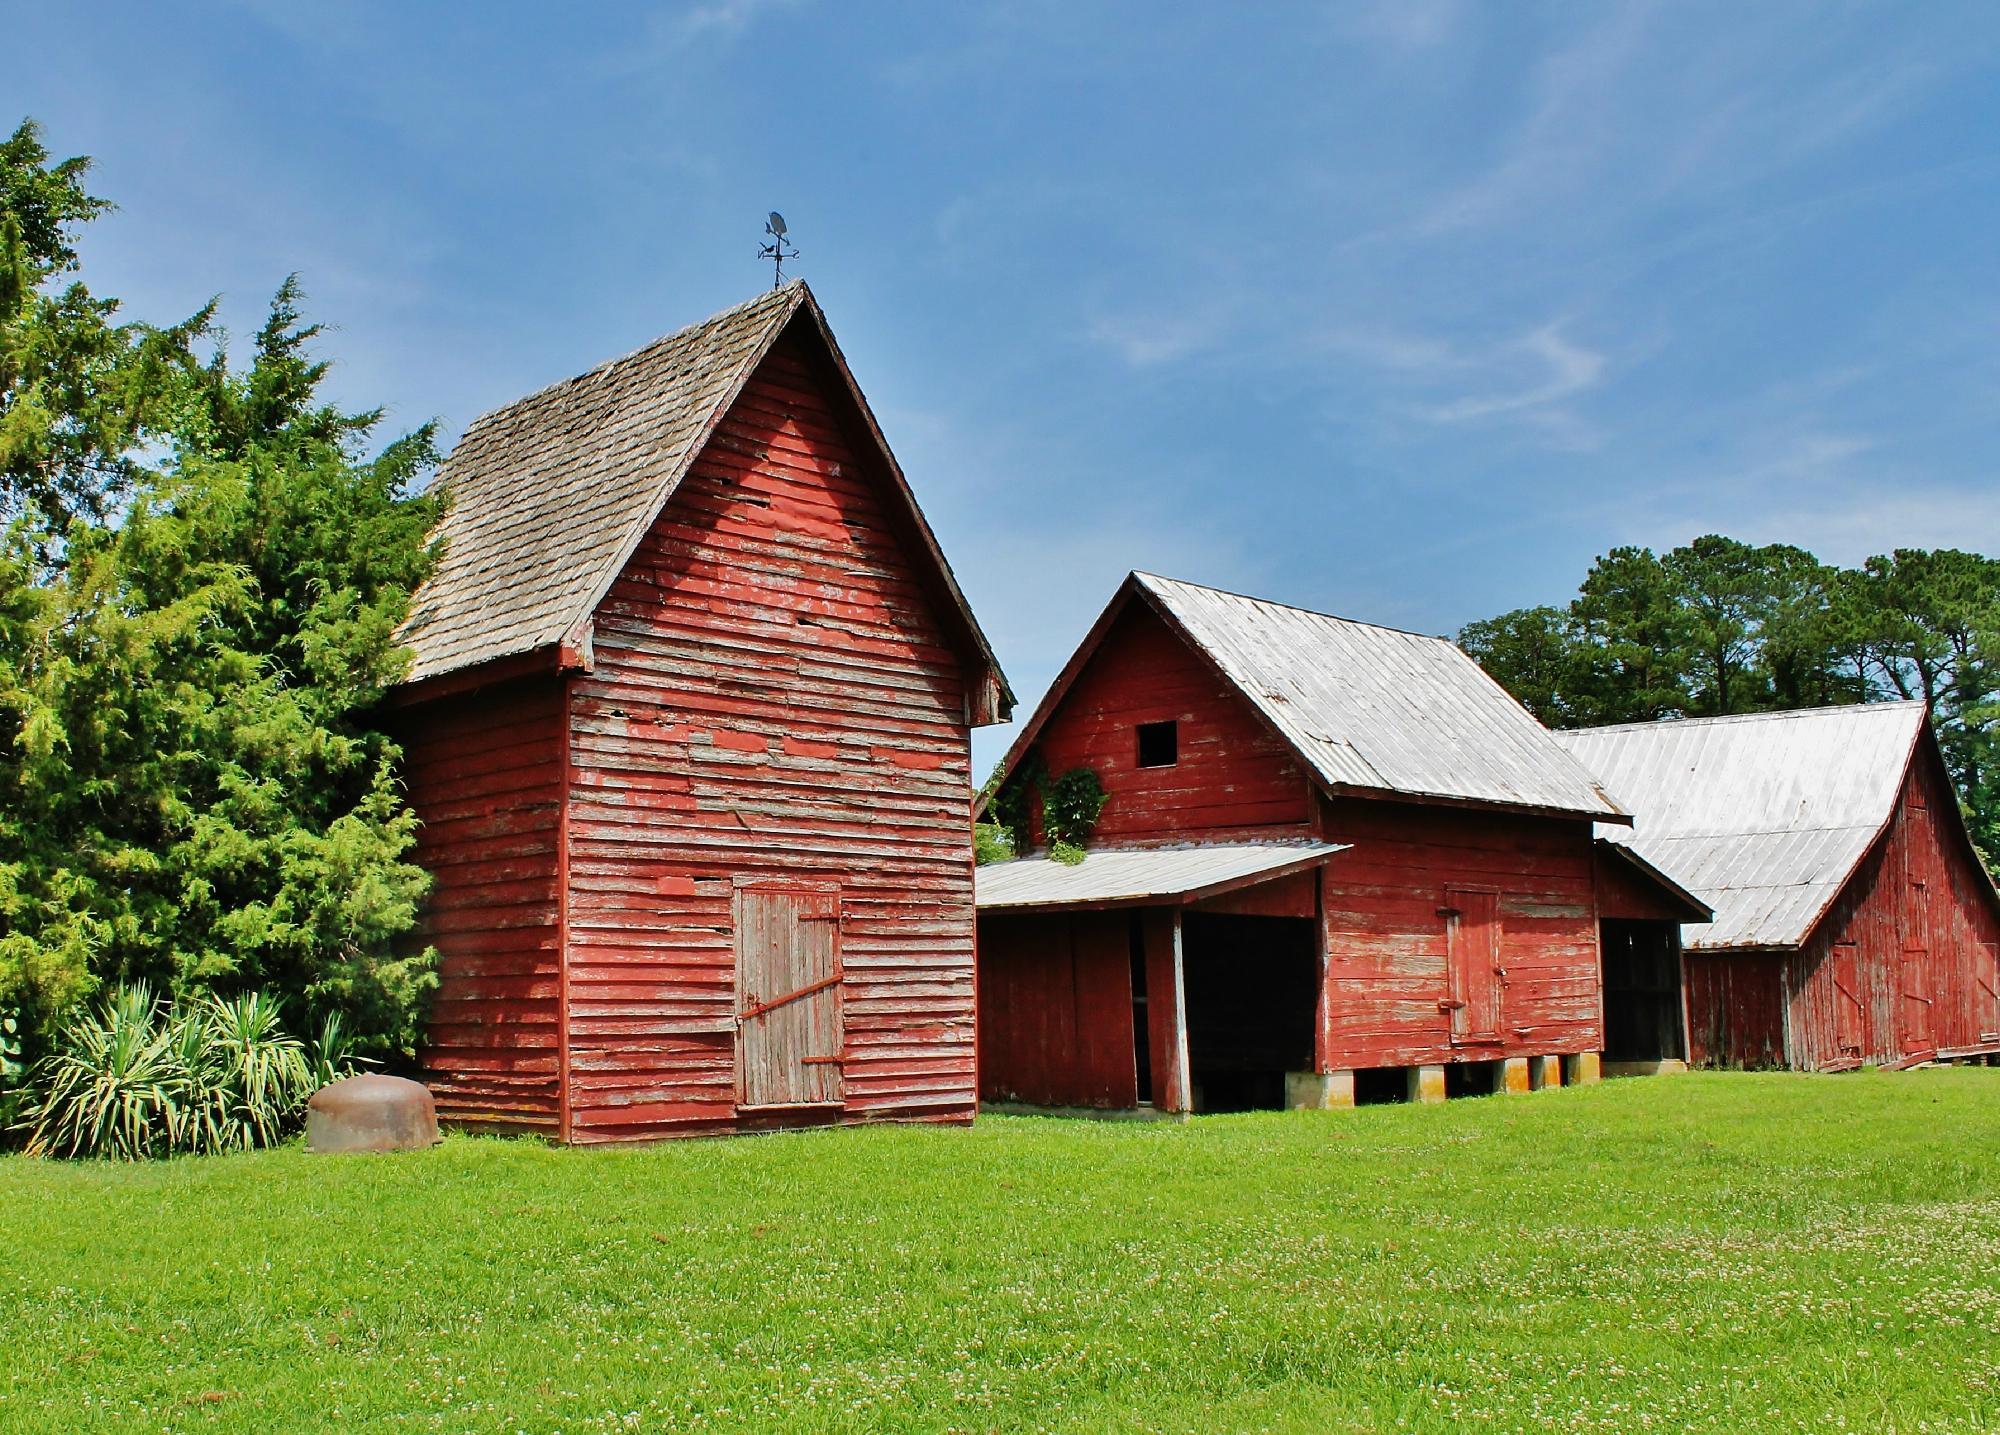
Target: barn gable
(1365, 710)
(550, 495)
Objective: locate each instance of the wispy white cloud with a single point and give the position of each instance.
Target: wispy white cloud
(1401, 24)
(1143, 339)
(1568, 368)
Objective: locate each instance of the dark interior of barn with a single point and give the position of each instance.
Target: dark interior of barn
(1642, 991)
(1251, 984)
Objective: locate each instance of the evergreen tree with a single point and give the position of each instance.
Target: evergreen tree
(192, 791)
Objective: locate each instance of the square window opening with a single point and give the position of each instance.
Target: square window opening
(1159, 743)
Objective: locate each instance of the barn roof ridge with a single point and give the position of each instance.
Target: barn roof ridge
(1771, 715)
(1149, 577)
(599, 369)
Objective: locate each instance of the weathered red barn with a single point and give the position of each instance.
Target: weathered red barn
(687, 728)
(1854, 922)
(1336, 861)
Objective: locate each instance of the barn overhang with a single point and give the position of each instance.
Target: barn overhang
(1656, 884)
(1142, 876)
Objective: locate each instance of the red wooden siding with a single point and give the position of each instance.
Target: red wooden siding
(1055, 1010)
(773, 696)
(1622, 893)
(1916, 930)
(1232, 774)
(1736, 1009)
(484, 771)
(1388, 997)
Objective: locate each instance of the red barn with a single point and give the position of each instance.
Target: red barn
(687, 728)
(1854, 922)
(1336, 862)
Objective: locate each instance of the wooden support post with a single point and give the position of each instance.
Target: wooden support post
(1581, 1069)
(1545, 1072)
(1318, 1090)
(1166, 1010)
(1427, 1083)
(1513, 1075)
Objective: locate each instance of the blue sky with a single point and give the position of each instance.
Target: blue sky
(1404, 311)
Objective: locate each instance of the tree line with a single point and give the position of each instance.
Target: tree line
(202, 566)
(1720, 626)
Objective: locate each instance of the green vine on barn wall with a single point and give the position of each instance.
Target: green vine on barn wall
(1069, 803)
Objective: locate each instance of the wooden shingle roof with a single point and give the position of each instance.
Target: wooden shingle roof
(549, 495)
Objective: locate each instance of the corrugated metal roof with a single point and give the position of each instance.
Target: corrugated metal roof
(1378, 709)
(1111, 875)
(1763, 816)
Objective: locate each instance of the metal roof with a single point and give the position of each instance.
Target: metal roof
(1763, 816)
(549, 495)
(1380, 710)
(1113, 876)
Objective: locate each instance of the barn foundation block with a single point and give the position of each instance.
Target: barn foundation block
(1643, 1068)
(1544, 1072)
(1427, 1083)
(1512, 1075)
(1319, 1090)
(1583, 1069)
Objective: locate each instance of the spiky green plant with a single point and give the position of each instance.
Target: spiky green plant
(117, 1088)
(333, 1056)
(136, 1078)
(253, 1078)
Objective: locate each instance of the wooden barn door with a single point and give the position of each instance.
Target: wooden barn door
(1849, 1024)
(1918, 1033)
(788, 1012)
(1986, 989)
(1472, 939)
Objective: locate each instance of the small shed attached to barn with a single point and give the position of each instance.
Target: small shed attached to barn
(1854, 922)
(687, 729)
(1335, 861)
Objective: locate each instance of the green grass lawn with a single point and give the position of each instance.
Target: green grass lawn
(1702, 1251)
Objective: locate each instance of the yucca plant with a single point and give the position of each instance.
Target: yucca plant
(118, 1087)
(136, 1078)
(333, 1055)
(253, 1078)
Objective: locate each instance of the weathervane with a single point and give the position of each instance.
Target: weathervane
(777, 251)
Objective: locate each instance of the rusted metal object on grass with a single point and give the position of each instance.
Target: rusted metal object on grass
(371, 1113)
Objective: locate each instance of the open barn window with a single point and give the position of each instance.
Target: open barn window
(1159, 743)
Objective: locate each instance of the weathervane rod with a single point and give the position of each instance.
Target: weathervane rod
(777, 251)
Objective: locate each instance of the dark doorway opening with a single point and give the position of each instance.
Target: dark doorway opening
(1642, 991)
(1251, 984)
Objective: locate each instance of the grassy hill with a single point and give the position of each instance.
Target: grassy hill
(1696, 1252)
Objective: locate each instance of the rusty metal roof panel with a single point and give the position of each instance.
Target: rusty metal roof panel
(1110, 876)
(1382, 710)
(1763, 816)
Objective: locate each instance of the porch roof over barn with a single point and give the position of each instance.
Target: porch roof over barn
(1138, 876)
(550, 495)
(1762, 816)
